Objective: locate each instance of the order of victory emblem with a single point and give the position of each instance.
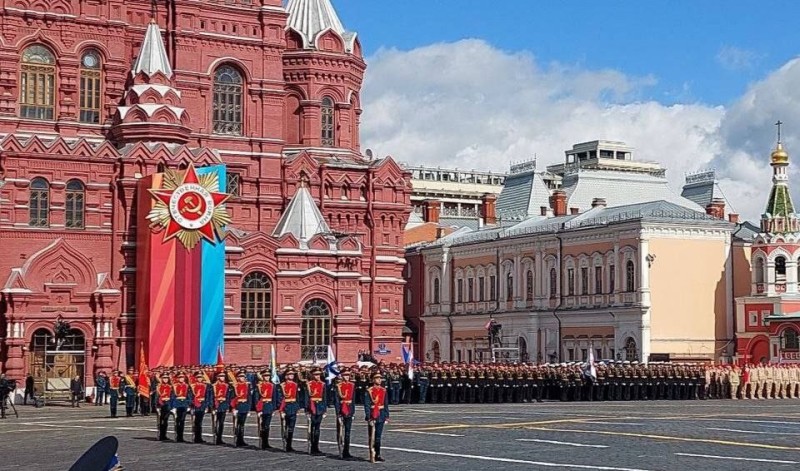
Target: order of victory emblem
(190, 207)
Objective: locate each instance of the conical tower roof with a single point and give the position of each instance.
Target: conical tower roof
(152, 55)
(302, 218)
(310, 18)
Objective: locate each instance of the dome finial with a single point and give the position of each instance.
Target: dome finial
(779, 156)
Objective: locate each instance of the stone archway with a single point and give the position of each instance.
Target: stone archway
(758, 351)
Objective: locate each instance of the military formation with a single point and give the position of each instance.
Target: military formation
(231, 395)
(176, 395)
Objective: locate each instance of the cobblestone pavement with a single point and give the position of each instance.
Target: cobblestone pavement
(696, 435)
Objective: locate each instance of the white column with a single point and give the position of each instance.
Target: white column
(791, 276)
(444, 282)
(644, 291)
(770, 278)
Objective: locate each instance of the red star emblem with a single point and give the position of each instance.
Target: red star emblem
(191, 205)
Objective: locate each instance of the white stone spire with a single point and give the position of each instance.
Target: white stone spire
(302, 218)
(153, 55)
(310, 18)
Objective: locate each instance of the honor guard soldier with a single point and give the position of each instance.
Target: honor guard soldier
(422, 376)
(200, 400)
(265, 405)
(316, 408)
(181, 401)
(240, 407)
(343, 402)
(222, 393)
(376, 407)
(164, 405)
(129, 392)
(288, 407)
(114, 383)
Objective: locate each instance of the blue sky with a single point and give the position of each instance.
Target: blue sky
(480, 84)
(697, 51)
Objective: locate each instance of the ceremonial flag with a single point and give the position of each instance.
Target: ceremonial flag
(331, 368)
(220, 362)
(273, 366)
(144, 380)
(591, 371)
(408, 358)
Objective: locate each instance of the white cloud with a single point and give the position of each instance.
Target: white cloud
(735, 58)
(469, 105)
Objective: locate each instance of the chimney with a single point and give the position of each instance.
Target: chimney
(734, 218)
(544, 210)
(430, 210)
(599, 203)
(488, 208)
(558, 201)
(716, 208)
(439, 233)
(574, 211)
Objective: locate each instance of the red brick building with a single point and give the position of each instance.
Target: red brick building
(97, 95)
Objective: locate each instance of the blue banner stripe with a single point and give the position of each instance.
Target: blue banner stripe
(212, 286)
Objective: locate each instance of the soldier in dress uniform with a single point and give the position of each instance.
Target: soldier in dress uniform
(394, 384)
(201, 394)
(240, 406)
(114, 384)
(316, 408)
(180, 405)
(129, 392)
(222, 393)
(288, 406)
(422, 376)
(344, 400)
(165, 400)
(376, 408)
(265, 398)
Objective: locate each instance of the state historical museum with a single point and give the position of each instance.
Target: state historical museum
(185, 178)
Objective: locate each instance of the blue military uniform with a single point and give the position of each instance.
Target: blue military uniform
(222, 394)
(165, 402)
(266, 394)
(344, 401)
(316, 408)
(240, 405)
(201, 398)
(288, 406)
(376, 408)
(182, 399)
(129, 392)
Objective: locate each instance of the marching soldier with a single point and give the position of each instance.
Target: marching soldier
(287, 398)
(222, 394)
(164, 404)
(200, 401)
(316, 408)
(114, 382)
(240, 407)
(265, 406)
(376, 408)
(344, 401)
(129, 392)
(180, 404)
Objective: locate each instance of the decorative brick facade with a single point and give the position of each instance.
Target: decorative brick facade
(292, 120)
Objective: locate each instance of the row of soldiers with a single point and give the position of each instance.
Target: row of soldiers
(602, 381)
(240, 393)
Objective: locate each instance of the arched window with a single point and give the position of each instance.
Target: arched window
(227, 102)
(630, 280)
(91, 84)
(37, 91)
(760, 270)
(509, 286)
(790, 340)
(74, 204)
(780, 268)
(316, 330)
(630, 349)
(328, 123)
(437, 352)
(522, 344)
(436, 287)
(256, 304)
(553, 283)
(529, 285)
(39, 203)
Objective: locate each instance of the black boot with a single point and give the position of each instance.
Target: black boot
(265, 440)
(315, 451)
(378, 456)
(289, 436)
(346, 452)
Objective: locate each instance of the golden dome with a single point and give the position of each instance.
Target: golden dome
(779, 156)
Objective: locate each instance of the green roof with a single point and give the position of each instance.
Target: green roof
(780, 202)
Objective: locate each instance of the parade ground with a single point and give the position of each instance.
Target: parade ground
(696, 435)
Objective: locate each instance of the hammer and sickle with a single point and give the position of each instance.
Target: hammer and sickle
(191, 207)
